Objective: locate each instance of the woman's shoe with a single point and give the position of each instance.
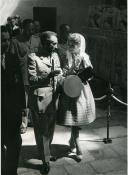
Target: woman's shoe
(72, 152)
(45, 168)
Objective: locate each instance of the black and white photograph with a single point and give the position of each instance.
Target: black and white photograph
(63, 87)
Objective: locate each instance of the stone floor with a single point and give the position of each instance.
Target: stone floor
(98, 158)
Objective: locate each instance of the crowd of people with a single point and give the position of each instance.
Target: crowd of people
(47, 75)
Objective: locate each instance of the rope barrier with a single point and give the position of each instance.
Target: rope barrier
(109, 96)
(100, 98)
(115, 98)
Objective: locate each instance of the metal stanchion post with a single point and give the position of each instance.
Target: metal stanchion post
(109, 95)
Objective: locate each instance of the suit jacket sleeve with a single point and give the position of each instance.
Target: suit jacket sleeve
(34, 79)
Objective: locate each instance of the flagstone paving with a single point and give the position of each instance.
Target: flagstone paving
(98, 158)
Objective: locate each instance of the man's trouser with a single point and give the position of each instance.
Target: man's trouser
(43, 140)
(44, 125)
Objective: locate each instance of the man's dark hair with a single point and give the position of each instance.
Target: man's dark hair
(63, 26)
(26, 22)
(46, 35)
(9, 18)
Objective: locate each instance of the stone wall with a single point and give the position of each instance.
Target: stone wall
(107, 47)
(73, 12)
(108, 53)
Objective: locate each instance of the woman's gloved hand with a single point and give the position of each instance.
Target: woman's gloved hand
(86, 74)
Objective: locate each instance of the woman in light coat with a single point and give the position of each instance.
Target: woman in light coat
(78, 109)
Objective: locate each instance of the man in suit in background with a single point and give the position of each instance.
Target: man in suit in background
(12, 101)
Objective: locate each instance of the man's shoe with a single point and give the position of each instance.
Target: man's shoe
(45, 168)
